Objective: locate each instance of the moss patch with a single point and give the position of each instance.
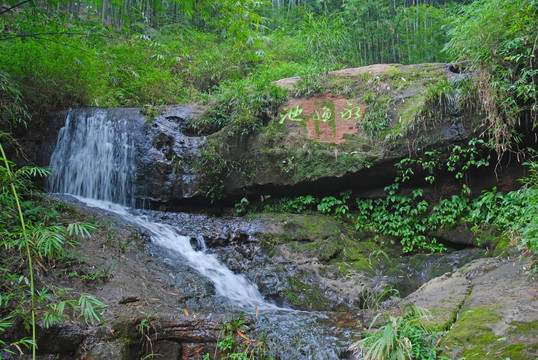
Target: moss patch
(304, 296)
(471, 327)
(473, 335)
(530, 327)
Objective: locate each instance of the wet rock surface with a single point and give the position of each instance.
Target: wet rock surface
(165, 156)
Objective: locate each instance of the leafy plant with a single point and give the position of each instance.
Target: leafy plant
(400, 338)
(326, 36)
(336, 207)
(299, 205)
(13, 111)
(247, 106)
(377, 116)
(241, 207)
(146, 328)
(91, 275)
(308, 85)
(498, 38)
(26, 236)
(239, 344)
(214, 168)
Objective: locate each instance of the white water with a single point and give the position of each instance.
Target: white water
(94, 161)
(94, 158)
(232, 286)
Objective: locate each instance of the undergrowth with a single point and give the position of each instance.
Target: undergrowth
(400, 338)
(247, 106)
(498, 39)
(239, 343)
(31, 236)
(411, 220)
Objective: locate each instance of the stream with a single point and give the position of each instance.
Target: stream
(95, 162)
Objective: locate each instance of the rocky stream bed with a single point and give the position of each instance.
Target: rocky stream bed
(489, 305)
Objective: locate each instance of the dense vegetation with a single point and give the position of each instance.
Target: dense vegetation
(61, 54)
(31, 235)
(411, 220)
(58, 54)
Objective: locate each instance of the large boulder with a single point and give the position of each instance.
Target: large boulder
(489, 308)
(348, 135)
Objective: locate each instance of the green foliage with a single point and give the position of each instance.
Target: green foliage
(248, 107)
(384, 32)
(214, 169)
(96, 53)
(241, 207)
(514, 213)
(408, 218)
(499, 39)
(442, 98)
(399, 217)
(146, 328)
(411, 220)
(86, 305)
(238, 343)
(299, 205)
(336, 207)
(13, 111)
(102, 274)
(308, 85)
(438, 100)
(326, 37)
(400, 338)
(377, 117)
(28, 232)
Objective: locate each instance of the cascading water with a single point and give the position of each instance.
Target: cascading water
(232, 286)
(94, 160)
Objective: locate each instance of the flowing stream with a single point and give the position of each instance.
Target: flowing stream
(94, 161)
(97, 160)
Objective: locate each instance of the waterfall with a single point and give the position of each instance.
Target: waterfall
(94, 160)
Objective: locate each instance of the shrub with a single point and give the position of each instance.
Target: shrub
(400, 338)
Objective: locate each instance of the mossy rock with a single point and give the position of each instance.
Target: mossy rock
(474, 335)
(322, 237)
(358, 151)
(304, 296)
(281, 228)
(499, 317)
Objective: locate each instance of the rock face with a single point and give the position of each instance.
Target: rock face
(489, 308)
(162, 152)
(348, 135)
(166, 155)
